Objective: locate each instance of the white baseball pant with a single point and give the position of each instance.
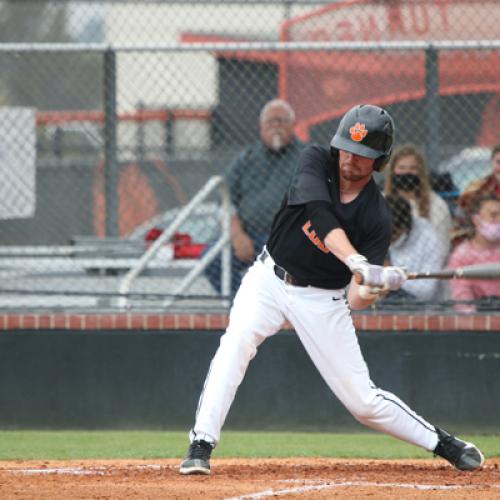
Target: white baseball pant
(326, 330)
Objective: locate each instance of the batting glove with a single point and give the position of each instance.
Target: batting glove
(356, 261)
(380, 279)
(393, 277)
(372, 275)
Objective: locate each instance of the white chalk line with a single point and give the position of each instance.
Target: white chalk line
(82, 471)
(75, 471)
(344, 484)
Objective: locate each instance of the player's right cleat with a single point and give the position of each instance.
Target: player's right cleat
(198, 458)
(463, 455)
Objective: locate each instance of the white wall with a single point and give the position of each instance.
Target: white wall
(180, 80)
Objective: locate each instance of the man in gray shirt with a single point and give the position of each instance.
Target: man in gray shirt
(258, 179)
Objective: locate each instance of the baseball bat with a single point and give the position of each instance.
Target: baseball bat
(476, 272)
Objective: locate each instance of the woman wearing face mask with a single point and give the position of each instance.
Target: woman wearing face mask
(482, 248)
(408, 177)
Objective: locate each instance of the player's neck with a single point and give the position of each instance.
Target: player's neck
(352, 188)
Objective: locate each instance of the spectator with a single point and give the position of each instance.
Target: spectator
(409, 177)
(483, 247)
(258, 179)
(415, 245)
(483, 186)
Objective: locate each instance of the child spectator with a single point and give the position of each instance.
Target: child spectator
(483, 247)
(487, 185)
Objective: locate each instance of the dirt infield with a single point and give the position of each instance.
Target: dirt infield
(247, 479)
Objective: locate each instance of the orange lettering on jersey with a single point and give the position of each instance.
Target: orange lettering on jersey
(358, 132)
(313, 237)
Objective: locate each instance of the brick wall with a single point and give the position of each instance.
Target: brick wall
(182, 321)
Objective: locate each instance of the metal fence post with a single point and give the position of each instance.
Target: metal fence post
(111, 168)
(433, 111)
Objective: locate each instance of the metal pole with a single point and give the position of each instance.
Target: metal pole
(433, 139)
(140, 149)
(111, 169)
(226, 249)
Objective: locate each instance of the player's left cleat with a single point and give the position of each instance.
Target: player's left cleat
(463, 455)
(198, 458)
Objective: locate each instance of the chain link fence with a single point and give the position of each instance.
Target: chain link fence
(115, 114)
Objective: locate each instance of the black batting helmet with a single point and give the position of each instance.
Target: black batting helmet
(365, 130)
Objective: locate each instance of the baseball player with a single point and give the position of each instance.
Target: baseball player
(332, 223)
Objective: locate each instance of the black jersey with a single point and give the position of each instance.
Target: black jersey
(296, 243)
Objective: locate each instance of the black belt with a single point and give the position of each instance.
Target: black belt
(281, 273)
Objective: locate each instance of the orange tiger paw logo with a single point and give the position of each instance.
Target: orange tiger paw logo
(358, 132)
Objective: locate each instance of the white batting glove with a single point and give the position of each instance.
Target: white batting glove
(379, 278)
(372, 275)
(393, 277)
(356, 261)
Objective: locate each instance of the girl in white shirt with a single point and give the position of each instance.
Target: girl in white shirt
(408, 177)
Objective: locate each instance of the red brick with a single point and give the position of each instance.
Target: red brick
(44, 321)
(371, 322)
(464, 322)
(448, 323)
(168, 321)
(59, 321)
(184, 321)
(219, 321)
(30, 321)
(75, 322)
(418, 322)
(433, 323)
(106, 321)
(3, 321)
(479, 323)
(494, 320)
(136, 321)
(153, 322)
(91, 322)
(387, 322)
(121, 321)
(14, 322)
(200, 321)
(401, 322)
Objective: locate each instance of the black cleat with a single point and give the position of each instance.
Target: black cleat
(198, 458)
(462, 455)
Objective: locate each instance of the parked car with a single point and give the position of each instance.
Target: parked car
(470, 164)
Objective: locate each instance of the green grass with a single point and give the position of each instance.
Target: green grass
(60, 445)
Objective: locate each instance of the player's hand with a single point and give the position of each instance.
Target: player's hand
(371, 292)
(376, 277)
(394, 277)
(371, 275)
(243, 247)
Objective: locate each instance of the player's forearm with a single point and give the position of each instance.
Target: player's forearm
(338, 243)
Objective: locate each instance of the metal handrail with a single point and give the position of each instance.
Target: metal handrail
(221, 244)
(276, 46)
